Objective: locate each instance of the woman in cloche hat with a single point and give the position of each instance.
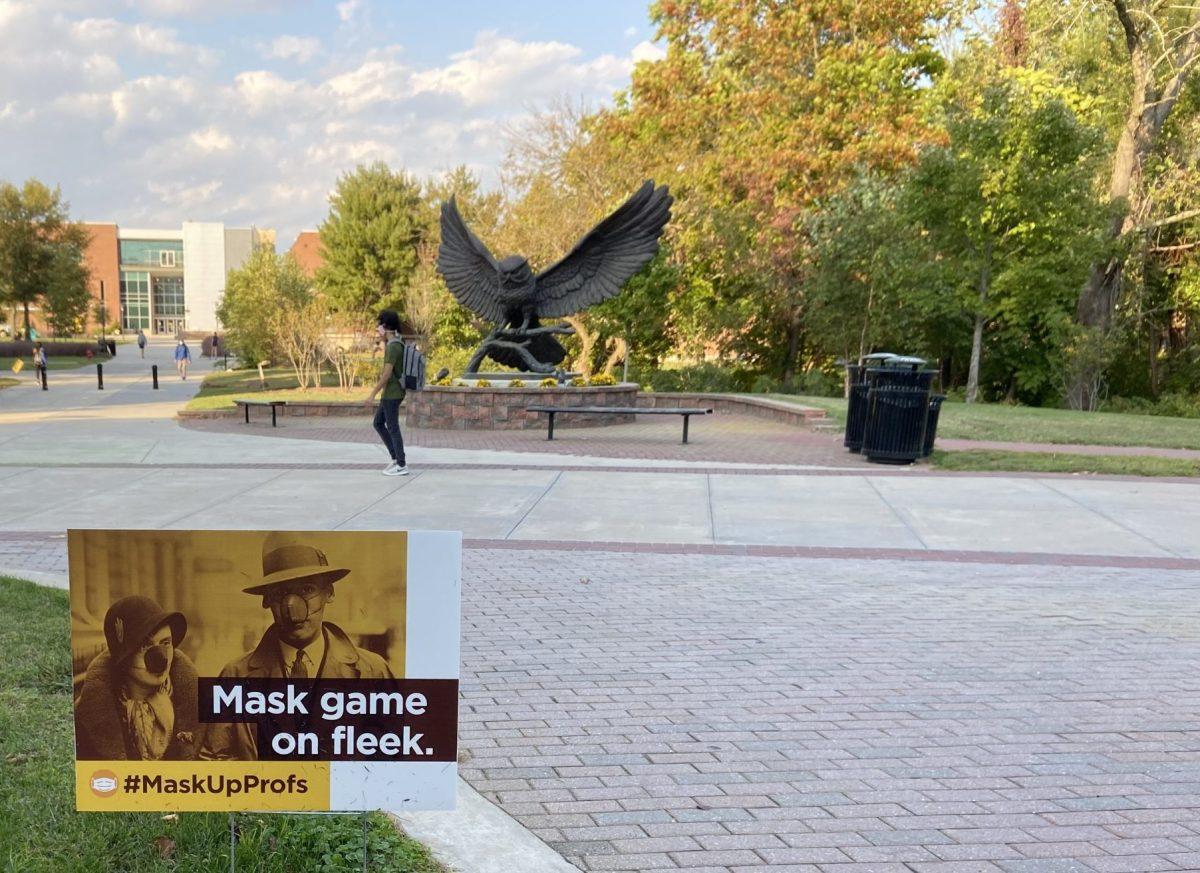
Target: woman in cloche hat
(138, 700)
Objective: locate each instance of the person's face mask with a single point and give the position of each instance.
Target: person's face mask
(150, 664)
(298, 609)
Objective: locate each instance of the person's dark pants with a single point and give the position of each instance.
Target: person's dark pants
(387, 425)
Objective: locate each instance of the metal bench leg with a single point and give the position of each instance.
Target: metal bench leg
(247, 408)
(550, 433)
(686, 418)
(273, 415)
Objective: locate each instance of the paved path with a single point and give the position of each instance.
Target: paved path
(720, 667)
(718, 713)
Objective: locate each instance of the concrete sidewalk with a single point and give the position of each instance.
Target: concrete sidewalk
(78, 457)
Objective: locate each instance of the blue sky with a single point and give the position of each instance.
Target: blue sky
(151, 112)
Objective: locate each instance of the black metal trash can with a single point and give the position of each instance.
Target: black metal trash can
(896, 421)
(931, 423)
(856, 405)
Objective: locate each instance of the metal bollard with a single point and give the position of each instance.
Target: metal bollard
(100, 376)
(154, 374)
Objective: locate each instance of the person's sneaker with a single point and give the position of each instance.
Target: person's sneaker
(396, 470)
(391, 466)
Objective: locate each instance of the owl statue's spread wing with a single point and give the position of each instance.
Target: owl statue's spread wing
(470, 271)
(606, 258)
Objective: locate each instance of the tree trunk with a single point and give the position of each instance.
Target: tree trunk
(25, 305)
(586, 341)
(985, 277)
(1150, 105)
(793, 349)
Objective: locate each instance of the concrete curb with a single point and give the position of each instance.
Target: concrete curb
(48, 580)
(477, 837)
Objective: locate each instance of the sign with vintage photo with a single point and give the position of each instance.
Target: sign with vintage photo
(265, 670)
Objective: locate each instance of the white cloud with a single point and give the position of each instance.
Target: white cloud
(647, 51)
(497, 68)
(347, 9)
(631, 32)
(301, 49)
(120, 113)
(212, 139)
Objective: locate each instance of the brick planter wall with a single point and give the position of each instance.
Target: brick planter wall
(737, 404)
(322, 408)
(457, 408)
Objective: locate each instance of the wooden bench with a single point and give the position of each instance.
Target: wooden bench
(274, 404)
(686, 412)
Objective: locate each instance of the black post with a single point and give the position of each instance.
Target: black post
(550, 431)
(43, 369)
(686, 418)
(100, 376)
(154, 375)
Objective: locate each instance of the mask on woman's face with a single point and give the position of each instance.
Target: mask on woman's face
(150, 664)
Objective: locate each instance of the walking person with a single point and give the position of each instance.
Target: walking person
(387, 415)
(183, 357)
(142, 342)
(39, 361)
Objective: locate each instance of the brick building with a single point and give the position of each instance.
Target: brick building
(166, 281)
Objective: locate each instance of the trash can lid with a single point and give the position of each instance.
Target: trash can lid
(879, 356)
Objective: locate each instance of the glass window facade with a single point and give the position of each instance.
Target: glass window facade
(135, 300)
(164, 253)
(168, 296)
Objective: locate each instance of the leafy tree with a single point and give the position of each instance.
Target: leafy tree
(870, 285)
(1009, 205)
(67, 299)
(370, 239)
(758, 110)
(255, 293)
(36, 240)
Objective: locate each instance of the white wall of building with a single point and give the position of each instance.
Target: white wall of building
(203, 272)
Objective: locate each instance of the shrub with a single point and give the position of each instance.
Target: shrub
(483, 383)
(603, 379)
(700, 377)
(578, 382)
(1173, 405)
(516, 383)
(548, 383)
(766, 385)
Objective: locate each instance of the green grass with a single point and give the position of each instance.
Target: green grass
(220, 389)
(1053, 462)
(65, 362)
(989, 421)
(40, 830)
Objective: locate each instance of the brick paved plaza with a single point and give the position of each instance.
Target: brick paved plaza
(717, 713)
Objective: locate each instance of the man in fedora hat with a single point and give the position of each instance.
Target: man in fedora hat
(296, 585)
(138, 700)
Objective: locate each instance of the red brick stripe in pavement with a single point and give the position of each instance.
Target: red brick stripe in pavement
(768, 551)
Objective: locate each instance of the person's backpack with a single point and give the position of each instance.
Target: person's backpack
(411, 371)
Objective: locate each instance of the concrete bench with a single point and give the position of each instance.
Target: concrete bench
(274, 404)
(686, 412)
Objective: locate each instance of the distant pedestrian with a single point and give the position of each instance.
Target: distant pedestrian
(39, 361)
(216, 345)
(387, 415)
(142, 342)
(183, 357)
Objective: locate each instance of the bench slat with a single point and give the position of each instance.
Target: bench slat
(620, 410)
